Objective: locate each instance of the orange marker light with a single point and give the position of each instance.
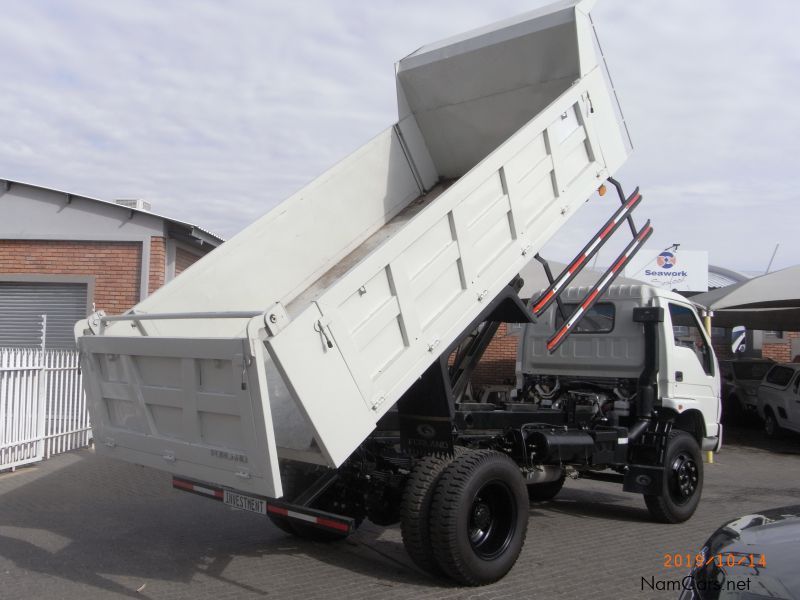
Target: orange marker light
(602, 190)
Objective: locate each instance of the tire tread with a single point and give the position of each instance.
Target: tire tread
(415, 510)
(447, 501)
(659, 507)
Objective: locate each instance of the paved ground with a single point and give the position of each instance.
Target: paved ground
(81, 526)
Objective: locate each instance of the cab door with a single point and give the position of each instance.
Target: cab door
(689, 371)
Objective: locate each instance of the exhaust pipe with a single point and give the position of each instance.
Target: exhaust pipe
(645, 405)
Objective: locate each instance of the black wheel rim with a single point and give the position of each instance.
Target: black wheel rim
(492, 519)
(769, 425)
(684, 478)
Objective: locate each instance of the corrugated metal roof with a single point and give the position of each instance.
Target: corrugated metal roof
(721, 277)
(214, 237)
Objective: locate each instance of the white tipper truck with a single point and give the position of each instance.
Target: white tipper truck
(312, 368)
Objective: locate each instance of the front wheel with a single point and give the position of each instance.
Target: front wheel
(682, 482)
(771, 427)
(479, 517)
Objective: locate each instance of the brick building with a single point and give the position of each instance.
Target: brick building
(63, 255)
(782, 346)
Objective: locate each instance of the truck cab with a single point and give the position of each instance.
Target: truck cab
(605, 357)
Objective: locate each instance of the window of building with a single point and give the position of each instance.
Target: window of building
(719, 334)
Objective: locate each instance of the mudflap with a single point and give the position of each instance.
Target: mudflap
(643, 479)
(425, 413)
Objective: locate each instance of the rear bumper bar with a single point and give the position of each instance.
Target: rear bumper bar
(316, 518)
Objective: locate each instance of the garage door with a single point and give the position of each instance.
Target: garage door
(22, 305)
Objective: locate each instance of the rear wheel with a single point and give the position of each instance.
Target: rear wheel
(682, 482)
(479, 517)
(415, 510)
(540, 492)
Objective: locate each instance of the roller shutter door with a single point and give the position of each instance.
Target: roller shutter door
(22, 304)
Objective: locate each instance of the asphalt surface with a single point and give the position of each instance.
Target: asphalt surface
(82, 526)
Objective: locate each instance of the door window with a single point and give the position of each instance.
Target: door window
(687, 333)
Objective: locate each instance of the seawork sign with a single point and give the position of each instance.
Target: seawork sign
(681, 270)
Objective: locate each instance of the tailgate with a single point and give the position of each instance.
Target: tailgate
(193, 407)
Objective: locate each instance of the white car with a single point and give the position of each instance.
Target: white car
(779, 399)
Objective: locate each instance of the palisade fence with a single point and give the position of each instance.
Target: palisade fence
(42, 405)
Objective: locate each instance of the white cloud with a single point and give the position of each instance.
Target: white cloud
(217, 111)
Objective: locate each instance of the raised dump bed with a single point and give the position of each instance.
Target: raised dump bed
(296, 336)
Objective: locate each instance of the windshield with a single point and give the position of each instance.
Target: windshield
(753, 370)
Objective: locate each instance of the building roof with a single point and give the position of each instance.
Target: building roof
(193, 230)
(721, 277)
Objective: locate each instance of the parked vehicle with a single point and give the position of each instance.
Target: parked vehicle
(753, 556)
(740, 380)
(303, 369)
(779, 399)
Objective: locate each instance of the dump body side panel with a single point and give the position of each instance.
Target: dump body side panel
(392, 314)
(281, 254)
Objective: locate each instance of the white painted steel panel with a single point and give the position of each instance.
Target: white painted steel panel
(338, 412)
(619, 353)
(286, 250)
(198, 408)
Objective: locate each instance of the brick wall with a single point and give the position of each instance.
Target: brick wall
(780, 350)
(114, 265)
(183, 260)
(158, 263)
(499, 361)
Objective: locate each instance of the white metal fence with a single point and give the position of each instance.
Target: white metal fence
(42, 405)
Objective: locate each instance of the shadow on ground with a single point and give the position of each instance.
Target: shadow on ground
(97, 522)
(753, 436)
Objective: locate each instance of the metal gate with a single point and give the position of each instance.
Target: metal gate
(42, 405)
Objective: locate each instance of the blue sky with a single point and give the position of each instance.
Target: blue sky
(216, 111)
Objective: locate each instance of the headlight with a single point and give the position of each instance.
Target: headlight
(751, 392)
